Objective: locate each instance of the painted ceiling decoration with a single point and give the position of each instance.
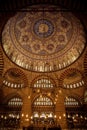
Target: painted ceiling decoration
(42, 40)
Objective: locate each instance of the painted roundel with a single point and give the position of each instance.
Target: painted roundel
(43, 40)
(43, 28)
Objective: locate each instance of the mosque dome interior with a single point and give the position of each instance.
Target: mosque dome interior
(43, 65)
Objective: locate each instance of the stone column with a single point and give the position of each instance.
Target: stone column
(60, 111)
(26, 111)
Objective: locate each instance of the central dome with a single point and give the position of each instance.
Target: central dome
(43, 40)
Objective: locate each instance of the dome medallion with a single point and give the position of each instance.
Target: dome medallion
(43, 41)
(43, 28)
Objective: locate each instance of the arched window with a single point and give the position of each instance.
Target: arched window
(15, 102)
(43, 83)
(71, 101)
(43, 101)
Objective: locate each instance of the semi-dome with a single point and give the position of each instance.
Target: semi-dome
(43, 40)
